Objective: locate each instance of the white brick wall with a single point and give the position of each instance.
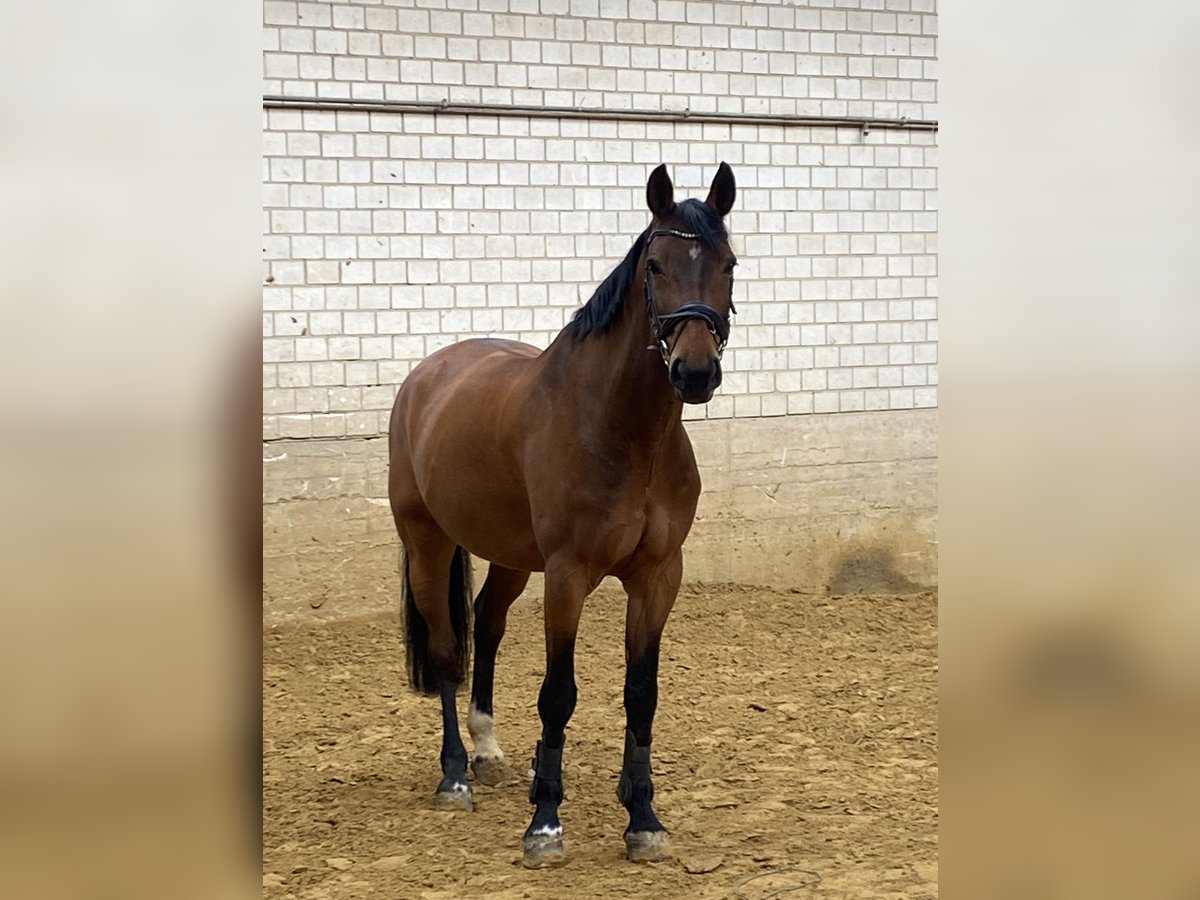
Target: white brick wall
(388, 235)
(862, 58)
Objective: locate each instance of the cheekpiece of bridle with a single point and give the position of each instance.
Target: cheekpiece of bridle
(662, 326)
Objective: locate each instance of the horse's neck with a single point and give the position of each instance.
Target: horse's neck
(621, 385)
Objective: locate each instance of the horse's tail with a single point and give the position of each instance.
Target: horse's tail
(423, 675)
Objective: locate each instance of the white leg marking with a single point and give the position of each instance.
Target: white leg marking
(481, 727)
(548, 831)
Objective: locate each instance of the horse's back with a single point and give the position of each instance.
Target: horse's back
(467, 370)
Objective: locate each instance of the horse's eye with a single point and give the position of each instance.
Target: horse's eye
(652, 267)
(729, 266)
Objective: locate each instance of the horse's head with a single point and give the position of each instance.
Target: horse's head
(687, 271)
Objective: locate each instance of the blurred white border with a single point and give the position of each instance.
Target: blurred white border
(129, 166)
(1069, 313)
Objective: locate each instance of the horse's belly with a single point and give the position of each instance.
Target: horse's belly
(489, 519)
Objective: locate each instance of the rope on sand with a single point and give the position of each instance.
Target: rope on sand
(815, 879)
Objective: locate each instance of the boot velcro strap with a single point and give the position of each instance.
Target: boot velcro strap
(547, 770)
(637, 759)
(635, 770)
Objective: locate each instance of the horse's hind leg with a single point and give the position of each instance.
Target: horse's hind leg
(436, 571)
(500, 589)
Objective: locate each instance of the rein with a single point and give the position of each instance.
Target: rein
(662, 326)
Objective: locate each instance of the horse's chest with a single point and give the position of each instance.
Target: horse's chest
(649, 530)
(666, 527)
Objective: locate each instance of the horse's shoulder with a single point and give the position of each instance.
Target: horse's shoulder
(683, 462)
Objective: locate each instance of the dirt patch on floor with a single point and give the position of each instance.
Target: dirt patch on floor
(795, 748)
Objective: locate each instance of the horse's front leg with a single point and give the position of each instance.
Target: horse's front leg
(566, 589)
(652, 592)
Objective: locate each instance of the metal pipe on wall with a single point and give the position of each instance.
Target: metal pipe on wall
(864, 123)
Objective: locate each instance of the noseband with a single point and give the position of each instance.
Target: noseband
(662, 326)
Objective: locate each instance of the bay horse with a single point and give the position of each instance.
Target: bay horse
(571, 461)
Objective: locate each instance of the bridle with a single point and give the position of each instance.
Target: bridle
(662, 326)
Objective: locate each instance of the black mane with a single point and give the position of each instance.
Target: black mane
(604, 308)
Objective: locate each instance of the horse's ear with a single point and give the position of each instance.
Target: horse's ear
(723, 190)
(660, 193)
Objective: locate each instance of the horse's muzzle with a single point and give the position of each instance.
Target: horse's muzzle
(695, 385)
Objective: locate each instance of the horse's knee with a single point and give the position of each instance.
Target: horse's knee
(556, 701)
(641, 688)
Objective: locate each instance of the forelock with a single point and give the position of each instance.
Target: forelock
(700, 219)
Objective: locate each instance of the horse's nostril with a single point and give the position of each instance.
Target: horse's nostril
(676, 371)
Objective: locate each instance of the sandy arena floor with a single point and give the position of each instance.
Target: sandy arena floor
(795, 756)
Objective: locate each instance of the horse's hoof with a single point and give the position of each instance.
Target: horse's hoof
(647, 846)
(543, 851)
(455, 797)
(489, 771)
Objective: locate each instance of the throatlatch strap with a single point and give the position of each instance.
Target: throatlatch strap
(635, 769)
(547, 769)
